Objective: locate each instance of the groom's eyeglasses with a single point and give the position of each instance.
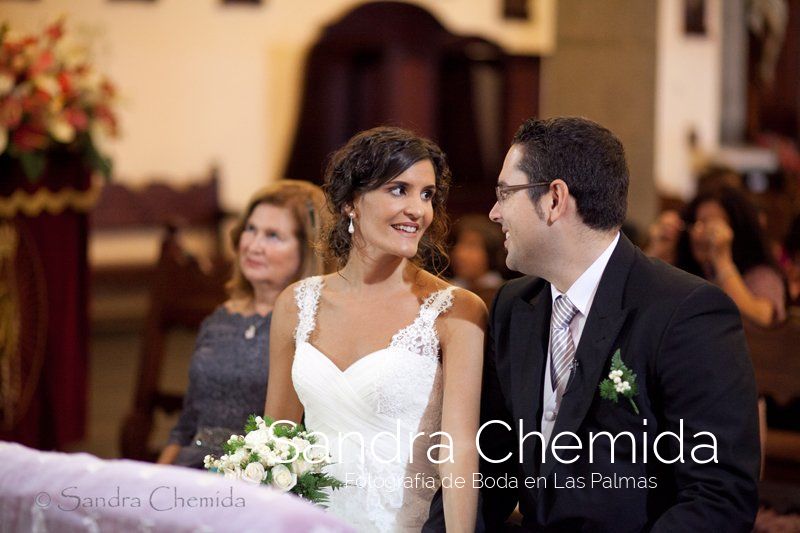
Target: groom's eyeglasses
(504, 191)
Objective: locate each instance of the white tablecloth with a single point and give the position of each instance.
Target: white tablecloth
(58, 492)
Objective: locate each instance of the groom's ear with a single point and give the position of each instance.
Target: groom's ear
(559, 201)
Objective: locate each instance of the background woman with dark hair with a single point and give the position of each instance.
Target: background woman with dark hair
(724, 243)
(383, 347)
(274, 240)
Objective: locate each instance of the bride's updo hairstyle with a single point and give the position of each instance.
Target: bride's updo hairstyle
(368, 160)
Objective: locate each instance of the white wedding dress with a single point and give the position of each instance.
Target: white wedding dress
(382, 400)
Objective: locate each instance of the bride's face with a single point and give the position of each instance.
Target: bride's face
(392, 218)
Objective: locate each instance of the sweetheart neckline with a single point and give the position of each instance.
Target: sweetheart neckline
(351, 365)
(391, 342)
(319, 283)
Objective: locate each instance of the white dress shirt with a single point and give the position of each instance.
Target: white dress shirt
(581, 294)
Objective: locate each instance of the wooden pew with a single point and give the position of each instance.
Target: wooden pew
(126, 211)
(776, 360)
(127, 227)
(182, 294)
(169, 286)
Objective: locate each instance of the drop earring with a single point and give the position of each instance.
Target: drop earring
(351, 228)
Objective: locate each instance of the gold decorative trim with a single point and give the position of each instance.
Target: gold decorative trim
(53, 202)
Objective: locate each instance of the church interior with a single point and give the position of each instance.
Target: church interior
(108, 270)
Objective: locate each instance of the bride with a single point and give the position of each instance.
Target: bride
(382, 357)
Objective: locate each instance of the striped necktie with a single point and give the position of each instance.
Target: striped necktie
(562, 348)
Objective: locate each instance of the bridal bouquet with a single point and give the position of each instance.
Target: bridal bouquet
(280, 454)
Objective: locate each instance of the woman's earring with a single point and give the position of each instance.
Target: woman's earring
(351, 228)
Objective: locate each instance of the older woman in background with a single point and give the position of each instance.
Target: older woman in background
(274, 243)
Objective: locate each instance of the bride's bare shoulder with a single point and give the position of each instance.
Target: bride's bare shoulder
(286, 309)
(466, 304)
(464, 323)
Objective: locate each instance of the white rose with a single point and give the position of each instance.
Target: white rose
(300, 444)
(268, 458)
(48, 84)
(301, 466)
(238, 456)
(257, 438)
(235, 439)
(281, 451)
(283, 479)
(232, 473)
(316, 454)
(99, 132)
(254, 473)
(61, 130)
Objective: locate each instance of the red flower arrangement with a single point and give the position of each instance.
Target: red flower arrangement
(51, 99)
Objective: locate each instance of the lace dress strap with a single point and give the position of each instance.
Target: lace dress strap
(421, 337)
(306, 295)
(437, 303)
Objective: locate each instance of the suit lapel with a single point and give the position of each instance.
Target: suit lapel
(527, 342)
(603, 325)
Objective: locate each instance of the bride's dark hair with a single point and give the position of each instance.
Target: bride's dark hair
(368, 160)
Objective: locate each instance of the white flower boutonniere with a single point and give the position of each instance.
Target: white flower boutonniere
(620, 382)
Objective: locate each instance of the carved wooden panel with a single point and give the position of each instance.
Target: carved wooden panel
(394, 63)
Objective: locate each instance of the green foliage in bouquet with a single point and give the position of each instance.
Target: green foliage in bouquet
(311, 487)
(284, 456)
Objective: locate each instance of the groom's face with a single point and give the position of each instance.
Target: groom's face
(523, 224)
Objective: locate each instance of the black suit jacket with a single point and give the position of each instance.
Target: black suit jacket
(683, 338)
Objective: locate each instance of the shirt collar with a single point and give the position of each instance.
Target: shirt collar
(582, 292)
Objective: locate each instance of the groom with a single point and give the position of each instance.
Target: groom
(561, 200)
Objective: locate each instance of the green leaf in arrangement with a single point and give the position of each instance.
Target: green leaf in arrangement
(97, 161)
(251, 424)
(32, 164)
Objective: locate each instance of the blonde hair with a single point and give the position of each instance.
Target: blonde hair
(306, 204)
